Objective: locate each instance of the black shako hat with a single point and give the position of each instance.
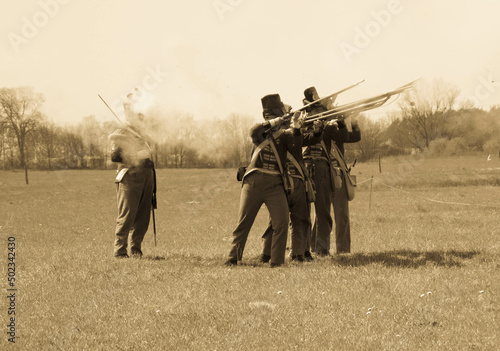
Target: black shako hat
(272, 106)
(311, 94)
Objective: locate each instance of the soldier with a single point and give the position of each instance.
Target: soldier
(298, 204)
(264, 180)
(134, 186)
(322, 168)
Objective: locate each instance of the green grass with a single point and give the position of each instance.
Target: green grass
(423, 275)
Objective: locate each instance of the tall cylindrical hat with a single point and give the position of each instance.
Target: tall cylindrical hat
(272, 106)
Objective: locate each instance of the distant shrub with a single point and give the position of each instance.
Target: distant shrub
(444, 147)
(437, 147)
(456, 147)
(492, 146)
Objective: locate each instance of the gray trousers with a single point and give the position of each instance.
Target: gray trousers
(259, 188)
(133, 196)
(322, 227)
(300, 221)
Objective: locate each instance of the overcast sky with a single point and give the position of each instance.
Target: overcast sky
(211, 58)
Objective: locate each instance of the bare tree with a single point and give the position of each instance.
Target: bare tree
(95, 140)
(238, 141)
(73, 147)
(182, 135)
(3, 145)
(20, 107)
(425, 111)
(229, 143)
(372, 139)
(47, 136)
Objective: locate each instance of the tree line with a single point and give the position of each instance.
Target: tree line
(30, 140)
(427, 120)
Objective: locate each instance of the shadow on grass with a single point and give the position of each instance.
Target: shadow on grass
(204, 261)
(186, 258)
(154, 258)
(397, 258)
(406, 258)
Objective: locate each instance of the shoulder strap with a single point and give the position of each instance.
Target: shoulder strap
(296, 164)
(338, 155)
(258, 149)
(327, 152)
(286, 183)
(275, 151)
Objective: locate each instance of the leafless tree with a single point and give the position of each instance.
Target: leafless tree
(3, 145)
(47, 136)
(372, 138)
(425, 111)
(20, 108)
(229, 143)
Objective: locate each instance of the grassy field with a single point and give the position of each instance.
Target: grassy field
(423, 274)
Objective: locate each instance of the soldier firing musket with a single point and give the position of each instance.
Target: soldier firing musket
(135, 182)
(325, 161)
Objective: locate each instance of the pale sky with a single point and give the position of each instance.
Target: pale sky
(211, 58)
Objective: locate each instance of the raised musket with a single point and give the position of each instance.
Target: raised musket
(342, 111)
(287, 117)
(331, 95)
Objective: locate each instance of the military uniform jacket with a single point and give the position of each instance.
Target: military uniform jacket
(330, 133)
(288, 140)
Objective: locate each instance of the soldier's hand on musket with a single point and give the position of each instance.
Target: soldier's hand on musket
(298, 119)
(354, 123)
(317, 126)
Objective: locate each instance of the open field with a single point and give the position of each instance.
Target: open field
(423, 275)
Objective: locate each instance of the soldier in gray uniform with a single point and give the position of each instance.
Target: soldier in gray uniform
(264, 180)
(134, 187)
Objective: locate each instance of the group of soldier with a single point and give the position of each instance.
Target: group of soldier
(293, 167)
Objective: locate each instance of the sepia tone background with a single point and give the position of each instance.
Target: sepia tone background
(216, 57)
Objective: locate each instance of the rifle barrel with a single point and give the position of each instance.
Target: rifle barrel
(331, 95)
(360, 105)
(113, 112)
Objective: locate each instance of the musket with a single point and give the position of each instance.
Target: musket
(331, 95)
(342, 111)
(154, 203)
(289, 115)
(131, 130)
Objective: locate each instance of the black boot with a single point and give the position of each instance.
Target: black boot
(231, 263)
(308, 257)
(264, 258)
(298, 258)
